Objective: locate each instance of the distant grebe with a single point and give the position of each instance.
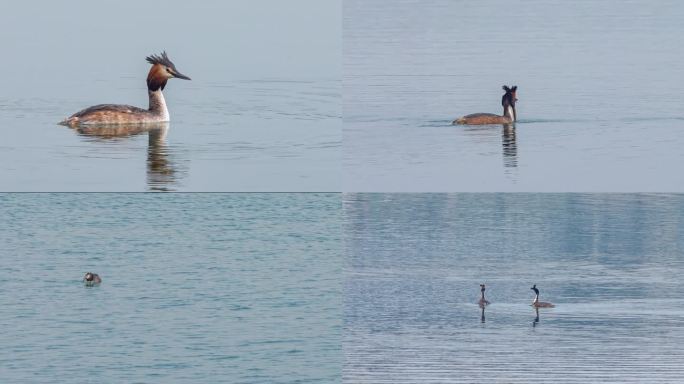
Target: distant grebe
(509, 116)
(539, 304)
(91, 279)
(104, 114)
(483, 302)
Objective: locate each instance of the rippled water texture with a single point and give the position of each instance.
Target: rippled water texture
(599, 95)
(612, 264)
(262, 112)
(238, 288)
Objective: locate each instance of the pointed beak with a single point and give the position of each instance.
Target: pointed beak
(180, 76)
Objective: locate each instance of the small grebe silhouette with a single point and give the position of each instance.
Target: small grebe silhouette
(91, 279)
(509, 116)
(162, 70)
(483, 302)
(539, 304)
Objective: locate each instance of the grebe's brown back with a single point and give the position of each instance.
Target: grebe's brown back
(509, 115)
(106, 114)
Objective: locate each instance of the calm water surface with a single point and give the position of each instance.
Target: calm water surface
(612, 264)
(262, 112)
(599, 95)
(240, 288)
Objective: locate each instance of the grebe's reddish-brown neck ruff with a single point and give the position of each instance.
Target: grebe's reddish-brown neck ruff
(509, 115)
(106, 114)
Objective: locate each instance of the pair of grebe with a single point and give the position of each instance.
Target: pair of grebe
(535, 303)
(509, 115)
(163, 69)
(109, 114)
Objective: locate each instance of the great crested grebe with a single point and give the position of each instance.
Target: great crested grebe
(91, 279)
(104, 114)
(539, 304)
(509, 116)
(483, 302)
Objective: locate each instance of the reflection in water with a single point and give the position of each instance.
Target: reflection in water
(536, 319)
(162, 173)
(486, 134)
(509, 146)
(482, 315)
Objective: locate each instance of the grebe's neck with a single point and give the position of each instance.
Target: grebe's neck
(509, 112)
(158, 104)
(536, 299)
(482, 292)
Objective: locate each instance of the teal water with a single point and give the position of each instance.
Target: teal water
(612, 264)
(235, 288)
(598, 96)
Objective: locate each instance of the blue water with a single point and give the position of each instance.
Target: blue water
(612, 264)
(262, 112)
(599, 95)
(235, 288)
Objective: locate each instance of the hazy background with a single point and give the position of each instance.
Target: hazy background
(261, 113)
(599, 95)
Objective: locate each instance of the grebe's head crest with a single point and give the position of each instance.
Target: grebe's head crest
(510, 96)
(162, 59)
(88, 276)
(534, 288)
(482, 287)
(162, 70)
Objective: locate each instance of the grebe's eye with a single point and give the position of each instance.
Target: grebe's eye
(168, 69)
